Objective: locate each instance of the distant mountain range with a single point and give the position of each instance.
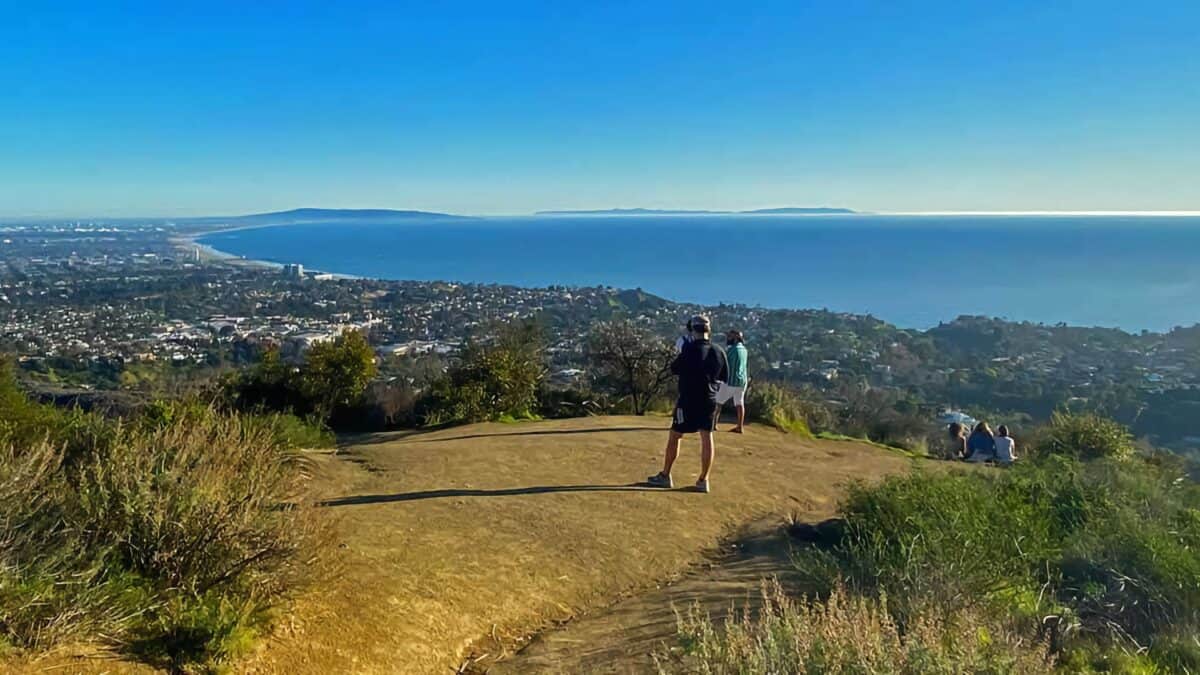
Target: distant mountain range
(308, 215)
(802, 210)
(793, 210)
(313, 215)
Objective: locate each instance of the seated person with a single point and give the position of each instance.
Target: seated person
(981, 445)
(957, 446)
(1006, 447)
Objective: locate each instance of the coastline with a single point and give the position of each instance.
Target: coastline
(191, 242)
(825, 287)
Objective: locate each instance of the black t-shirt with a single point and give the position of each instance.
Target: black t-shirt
(701, 367)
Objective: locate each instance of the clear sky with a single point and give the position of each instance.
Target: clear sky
(179, 108)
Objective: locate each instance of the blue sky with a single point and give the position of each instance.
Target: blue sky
(507, 107)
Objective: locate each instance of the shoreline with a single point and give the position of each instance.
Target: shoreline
(190, 242)
(208, 253)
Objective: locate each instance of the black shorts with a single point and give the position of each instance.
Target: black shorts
(692, 417)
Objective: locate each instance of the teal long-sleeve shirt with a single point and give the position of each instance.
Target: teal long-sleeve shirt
(737, 365)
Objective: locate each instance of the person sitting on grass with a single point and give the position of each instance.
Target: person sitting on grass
(735, 388)
(1006, 447)
(957, 447)
(981, 445)
(701, 367)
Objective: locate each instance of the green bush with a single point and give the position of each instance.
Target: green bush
(288, 431)
(926, 536)
(162, 536)
(333, 377)
(1084, 436)
(336, 373)
(1107, 549)
(26, 423)
(783, 408)
(294, 433)
(497, 379)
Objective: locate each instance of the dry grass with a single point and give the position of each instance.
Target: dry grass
(452, 544)
(196, 504)
(167, 541)
(847, 634)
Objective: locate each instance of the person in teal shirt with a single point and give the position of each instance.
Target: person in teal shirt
(739, 380)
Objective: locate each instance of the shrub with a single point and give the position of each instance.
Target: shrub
(1084, 436)
(163, 536)
(1106, 548)
(333, 377)
(25, 423)
(294, 433)
(269, 385)
(783, 408)
(905, 431)
(50, 589)
(336, 373)
(943, 536)
(193, 504)
(288, 431)
(849, 634)
(497, 379)
(388, 405)
(562, 403)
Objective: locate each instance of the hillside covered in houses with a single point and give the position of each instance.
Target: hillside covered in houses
(132, 307)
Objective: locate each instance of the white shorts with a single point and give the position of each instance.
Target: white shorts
(726, 392)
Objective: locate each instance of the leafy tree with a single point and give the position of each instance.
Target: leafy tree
(336, 373)
(268, 385)
(333, 376)
(630, 361)
(496, 378)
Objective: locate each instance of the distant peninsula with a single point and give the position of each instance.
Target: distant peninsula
(310, 215)
(792, 210)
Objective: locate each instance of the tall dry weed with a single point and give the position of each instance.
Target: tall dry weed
(847, 634)
(175, 540)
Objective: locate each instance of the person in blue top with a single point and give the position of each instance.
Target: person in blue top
(735, 388)
(981, 444)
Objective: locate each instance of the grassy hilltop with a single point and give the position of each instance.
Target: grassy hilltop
(204, 534)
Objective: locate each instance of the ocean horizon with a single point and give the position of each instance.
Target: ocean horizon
(1134, 272)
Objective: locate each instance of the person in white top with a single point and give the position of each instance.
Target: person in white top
(1006, 447)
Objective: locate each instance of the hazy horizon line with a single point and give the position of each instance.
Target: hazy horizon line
(697, 212)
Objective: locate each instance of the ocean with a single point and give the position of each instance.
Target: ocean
(915, 271)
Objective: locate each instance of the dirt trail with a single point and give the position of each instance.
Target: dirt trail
(464, 542)
(626, 637)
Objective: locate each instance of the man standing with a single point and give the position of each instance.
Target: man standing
(735, 387)
(701, 367)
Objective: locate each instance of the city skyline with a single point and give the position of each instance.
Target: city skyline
(223, 109)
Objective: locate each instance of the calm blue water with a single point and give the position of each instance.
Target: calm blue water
(1129, 272)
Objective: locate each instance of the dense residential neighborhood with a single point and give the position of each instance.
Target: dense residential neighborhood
(101, 306)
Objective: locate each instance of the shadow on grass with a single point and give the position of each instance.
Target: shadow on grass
(502, 492)
(421, 437)
(182, 650)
